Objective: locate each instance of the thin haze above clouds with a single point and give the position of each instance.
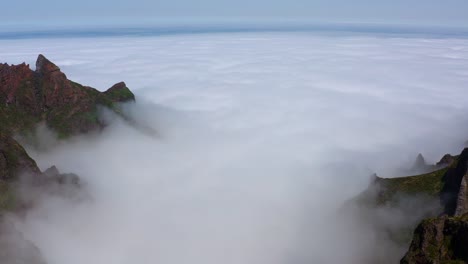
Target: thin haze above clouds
(53, 13)
(261, 138)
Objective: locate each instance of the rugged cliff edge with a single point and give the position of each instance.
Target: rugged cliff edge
(45, 95)
(29, 98)
(442, 237)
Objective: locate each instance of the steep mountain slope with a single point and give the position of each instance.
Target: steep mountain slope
(28, 97)
(441, 238)
(444, 239)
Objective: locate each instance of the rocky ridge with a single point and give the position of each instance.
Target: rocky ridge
(27, 99)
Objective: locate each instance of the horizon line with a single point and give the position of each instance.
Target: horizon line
(129, 30)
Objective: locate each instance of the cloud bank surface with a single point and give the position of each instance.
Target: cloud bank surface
(261, 138)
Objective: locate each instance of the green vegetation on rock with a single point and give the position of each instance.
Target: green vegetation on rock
(45, 96)
(429, 184)
(439, 240)
(436, 239)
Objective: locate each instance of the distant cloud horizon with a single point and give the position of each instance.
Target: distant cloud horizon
(52, 13)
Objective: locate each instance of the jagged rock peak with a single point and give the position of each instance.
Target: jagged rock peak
(420, 161)
(118, 86)
(47, 95)
(447, 159)
(44, 66)
(453, 194)
(119, 92)
(52, 171)
(440, 240)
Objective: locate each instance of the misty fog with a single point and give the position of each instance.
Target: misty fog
(261, 139)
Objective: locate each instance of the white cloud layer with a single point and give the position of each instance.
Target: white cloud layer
(261, 138)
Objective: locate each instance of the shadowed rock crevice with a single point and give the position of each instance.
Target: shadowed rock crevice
(445, 239)
(452, 184)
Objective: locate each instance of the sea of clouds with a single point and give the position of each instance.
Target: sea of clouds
(261, 138)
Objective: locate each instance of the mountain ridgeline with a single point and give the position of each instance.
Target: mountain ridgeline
(28, 97)
(45, 96)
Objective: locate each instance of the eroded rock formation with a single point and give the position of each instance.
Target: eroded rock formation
(28, 97)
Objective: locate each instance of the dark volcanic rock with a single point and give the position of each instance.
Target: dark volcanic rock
(462, 198)
(452, 183)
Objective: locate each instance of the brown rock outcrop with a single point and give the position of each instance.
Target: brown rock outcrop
(28, 97)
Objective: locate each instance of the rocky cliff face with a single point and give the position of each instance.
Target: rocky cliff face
(439, 240)
(452, 193)
(445, 239)
(440, 237)
(14, 161)
(462, 201)
(28, 97)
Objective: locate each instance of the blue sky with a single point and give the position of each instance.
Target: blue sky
(108, 12)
